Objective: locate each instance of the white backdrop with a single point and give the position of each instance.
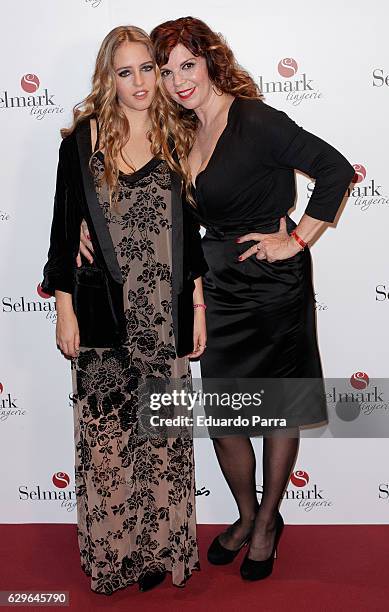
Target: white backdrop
(339, 53)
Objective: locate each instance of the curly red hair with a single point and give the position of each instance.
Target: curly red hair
(223, 70)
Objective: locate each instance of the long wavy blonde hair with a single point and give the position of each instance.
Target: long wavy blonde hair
(166, 136)
(223, 69)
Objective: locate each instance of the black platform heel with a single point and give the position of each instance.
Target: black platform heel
(218, 555)
(151, 580)
(258, 570)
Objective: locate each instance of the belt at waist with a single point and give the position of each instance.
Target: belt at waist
(268, 227)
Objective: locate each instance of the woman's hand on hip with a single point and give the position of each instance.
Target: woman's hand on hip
(86, 247)
(272, 247)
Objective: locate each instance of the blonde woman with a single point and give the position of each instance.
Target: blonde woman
(126, 315)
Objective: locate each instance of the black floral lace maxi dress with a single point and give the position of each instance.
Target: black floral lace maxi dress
(135, 494)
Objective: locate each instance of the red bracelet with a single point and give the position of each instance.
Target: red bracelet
(301, 242)
(199, 306)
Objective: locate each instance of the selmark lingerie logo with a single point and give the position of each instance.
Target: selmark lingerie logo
(46, 304)
(9, 404)
(306, 494)
(40, 102)
(365, 397)
(61, 493)
(363, 192)
(297, 86)
(380, 77)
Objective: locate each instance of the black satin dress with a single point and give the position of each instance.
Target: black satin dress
(261, 315)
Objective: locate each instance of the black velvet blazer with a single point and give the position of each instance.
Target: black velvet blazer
(97, 289)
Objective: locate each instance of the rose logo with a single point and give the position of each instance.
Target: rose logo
(30, 83)
(61, 480)
(359, 380)
(41, 293)
(360, 173)
(299, 478)
(287, 67)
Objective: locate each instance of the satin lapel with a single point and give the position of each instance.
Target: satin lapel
(177, 234)
(83, 136)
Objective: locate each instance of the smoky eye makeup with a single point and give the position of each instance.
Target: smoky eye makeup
(124, 72)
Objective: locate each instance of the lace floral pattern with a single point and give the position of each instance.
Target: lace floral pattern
(135, 493)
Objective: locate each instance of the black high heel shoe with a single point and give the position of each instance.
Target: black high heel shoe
(258, 570)
(151, 580)
(219, 555)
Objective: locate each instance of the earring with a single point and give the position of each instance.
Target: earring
(216, 90)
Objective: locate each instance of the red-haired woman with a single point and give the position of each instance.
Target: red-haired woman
(260, 304)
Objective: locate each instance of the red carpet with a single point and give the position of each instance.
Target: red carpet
(319, 568)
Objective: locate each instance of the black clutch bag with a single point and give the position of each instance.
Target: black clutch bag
(98, 307)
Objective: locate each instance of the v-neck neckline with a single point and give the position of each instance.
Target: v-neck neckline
(140, 172)
(194, 184)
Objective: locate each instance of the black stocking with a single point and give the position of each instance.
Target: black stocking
(237, 461)
(279, 455)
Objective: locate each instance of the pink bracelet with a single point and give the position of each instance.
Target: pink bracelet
(199, 306)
